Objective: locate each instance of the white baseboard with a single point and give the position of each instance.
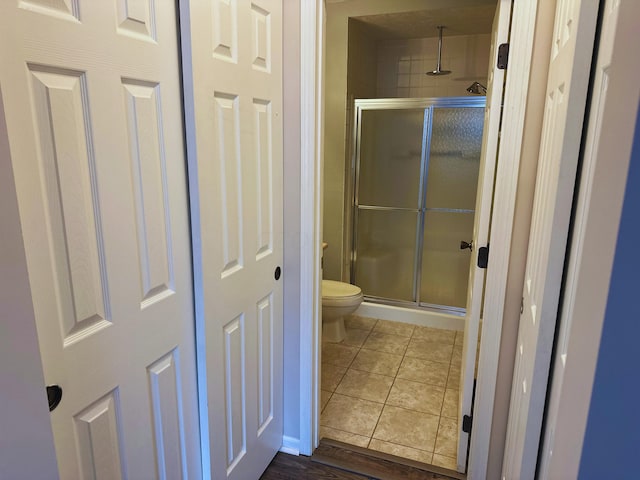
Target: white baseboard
(290, 445)
(408, 315)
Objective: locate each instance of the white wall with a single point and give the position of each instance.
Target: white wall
(24, 416)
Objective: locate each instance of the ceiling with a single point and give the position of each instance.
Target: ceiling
(420, 24)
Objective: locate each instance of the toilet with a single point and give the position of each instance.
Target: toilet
(339, 299)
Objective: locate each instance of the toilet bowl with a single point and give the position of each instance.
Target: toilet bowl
(338, 300)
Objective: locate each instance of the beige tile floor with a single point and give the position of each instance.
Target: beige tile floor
(393, 387)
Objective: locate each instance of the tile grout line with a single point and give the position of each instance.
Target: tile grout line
(385, 402)
(395, 377)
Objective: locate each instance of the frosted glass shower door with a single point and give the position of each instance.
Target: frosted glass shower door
(450, 197)
(387, 202)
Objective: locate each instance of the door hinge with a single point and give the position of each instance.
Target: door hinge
(483, 257)
(467, 421)
(503, 56)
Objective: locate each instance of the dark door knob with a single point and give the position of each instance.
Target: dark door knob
(464, 245)
(54, 395)
(277, 273)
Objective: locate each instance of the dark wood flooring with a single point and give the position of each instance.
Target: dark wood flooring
(335, 461)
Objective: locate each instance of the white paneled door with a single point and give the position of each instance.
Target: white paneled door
(236, 48)
(582, 267)
(569, 69)
(92, 99)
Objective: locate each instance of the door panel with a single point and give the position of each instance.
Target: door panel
(390, 147)
(386, 246)
(92, 97)
(454, 158)
(237, 87)
(445, 267)
(569, 68)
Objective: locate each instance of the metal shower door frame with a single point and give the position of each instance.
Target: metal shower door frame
(429, 105)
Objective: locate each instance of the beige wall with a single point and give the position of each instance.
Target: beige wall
(362, 62)
(362, 71)
(336, 100)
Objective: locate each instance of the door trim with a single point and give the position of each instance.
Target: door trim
(311, 141)
(521, 41)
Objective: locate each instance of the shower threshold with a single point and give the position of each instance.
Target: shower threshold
(409, 312)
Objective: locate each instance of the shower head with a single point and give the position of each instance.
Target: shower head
(477, 88)
(438, 70)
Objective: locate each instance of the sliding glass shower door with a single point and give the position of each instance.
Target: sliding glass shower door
(416, 172)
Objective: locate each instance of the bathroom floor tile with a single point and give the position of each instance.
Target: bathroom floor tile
(361, 323)
(401, 451)
(352, 415)
(338, 354)
(453, 380)
(435, 352)
(450, 404)
(377, 362)
(355, 337)
(436, 335)
(383, 342)
(324, 398)
(444, 462)
(331, 376)
(424, 371)
(456, 358)
(447, 439)
(393, 387)
(346, 437)
(365, 385)
(408, 428)
(394, 328)
(416, 396)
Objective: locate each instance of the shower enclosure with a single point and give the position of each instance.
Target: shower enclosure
(415, 169)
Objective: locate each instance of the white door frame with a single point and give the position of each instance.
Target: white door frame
(312, 20)
(312, 15)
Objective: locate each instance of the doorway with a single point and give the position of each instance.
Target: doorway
(423, 339)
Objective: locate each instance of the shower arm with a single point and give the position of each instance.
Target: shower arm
(439, 63)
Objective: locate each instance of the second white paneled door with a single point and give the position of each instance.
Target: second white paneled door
(566, 93)
(93, 106)
(236, 170)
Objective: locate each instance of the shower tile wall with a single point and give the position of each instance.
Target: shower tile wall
(393, 387)
(402, 65)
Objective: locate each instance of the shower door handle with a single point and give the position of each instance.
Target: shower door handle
(464, 245)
